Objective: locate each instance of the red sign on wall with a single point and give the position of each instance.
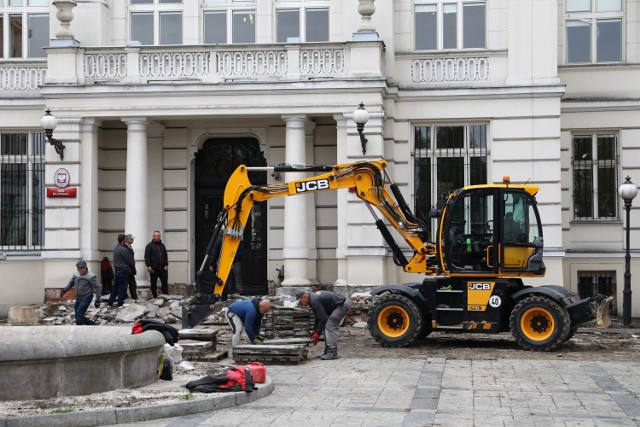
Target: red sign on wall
(62, 192)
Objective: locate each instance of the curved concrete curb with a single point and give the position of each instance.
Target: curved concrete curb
(141, 413)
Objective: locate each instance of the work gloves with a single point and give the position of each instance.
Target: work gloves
(61, 294)
(257, 341)
(315, 336)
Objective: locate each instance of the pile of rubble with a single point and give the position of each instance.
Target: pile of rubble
(284, 320)
(168, 308)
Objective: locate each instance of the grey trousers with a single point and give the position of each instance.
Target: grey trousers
(331, 329)
(236, 326)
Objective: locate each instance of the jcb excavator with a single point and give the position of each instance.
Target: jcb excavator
(489, 237)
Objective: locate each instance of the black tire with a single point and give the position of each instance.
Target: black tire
(539, 323)
(395, 321)
(572, 332)
(426, 328)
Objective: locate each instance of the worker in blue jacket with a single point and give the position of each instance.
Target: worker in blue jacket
(247, 315)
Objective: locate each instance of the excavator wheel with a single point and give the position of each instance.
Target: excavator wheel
(572, 332)
(539, 323)
(395, 321)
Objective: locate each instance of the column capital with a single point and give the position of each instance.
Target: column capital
(90, 123)
(293, 119)
(135, 123)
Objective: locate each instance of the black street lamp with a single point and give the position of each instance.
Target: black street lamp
(627, 192)
(360, 117)
(49, 123)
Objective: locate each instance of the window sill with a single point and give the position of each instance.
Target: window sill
(595, 221)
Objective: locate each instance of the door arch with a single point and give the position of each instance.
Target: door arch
(214, 164)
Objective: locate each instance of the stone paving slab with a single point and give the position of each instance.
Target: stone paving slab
(438, 392)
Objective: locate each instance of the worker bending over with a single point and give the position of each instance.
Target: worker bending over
(329, 309)
(247, 315)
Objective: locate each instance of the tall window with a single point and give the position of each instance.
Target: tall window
(594, 31)
(595, 172)
(302, 25)
(229, 21)
(447, 158)
(156, 22)
(21, 190)
(450, 24)
(26, 26)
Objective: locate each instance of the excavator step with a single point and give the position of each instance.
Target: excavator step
(449, 309)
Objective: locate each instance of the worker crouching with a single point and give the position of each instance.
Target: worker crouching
(247, 315)
(329, 309)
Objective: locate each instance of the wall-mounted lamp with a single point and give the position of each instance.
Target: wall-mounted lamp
(360, 117)
(49, 123)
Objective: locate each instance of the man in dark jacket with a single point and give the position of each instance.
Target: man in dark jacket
(247, 315)
(86, 284)
(131, 279)
(329, 309)
(155, 257)
(124, 264)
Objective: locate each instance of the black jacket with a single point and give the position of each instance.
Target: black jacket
(155, 255)
(323, 303)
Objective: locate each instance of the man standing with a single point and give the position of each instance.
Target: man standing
(329, 309)
(86, 284)
(247, 315)
(155, 257)
(124, 263)
(131, 280)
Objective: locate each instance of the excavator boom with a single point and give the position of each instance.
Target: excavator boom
(369, 182)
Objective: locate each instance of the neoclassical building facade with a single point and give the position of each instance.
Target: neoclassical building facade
(157, 101)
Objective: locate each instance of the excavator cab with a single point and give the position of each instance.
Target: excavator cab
(491, 230)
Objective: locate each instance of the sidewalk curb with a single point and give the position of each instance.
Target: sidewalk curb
(141, 413)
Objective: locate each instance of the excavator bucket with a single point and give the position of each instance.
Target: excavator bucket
(198, 314)
(603, 305)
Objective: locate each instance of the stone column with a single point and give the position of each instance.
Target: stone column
(136, 215)
(89, 189)
(295, 249)
(311, 210)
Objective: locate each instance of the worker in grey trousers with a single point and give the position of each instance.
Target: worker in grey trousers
(329, 309)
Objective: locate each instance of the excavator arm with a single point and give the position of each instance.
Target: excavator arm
(367, 179)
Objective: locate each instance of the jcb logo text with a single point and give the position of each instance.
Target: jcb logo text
(479, 286)
(320, 184)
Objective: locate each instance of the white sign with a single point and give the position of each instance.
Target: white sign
(495, 301)
(61, 178)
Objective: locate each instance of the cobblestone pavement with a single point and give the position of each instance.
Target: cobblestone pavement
(438, 392)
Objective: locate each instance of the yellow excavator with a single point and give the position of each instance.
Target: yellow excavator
(488, 238)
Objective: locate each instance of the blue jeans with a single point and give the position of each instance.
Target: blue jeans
(119, 288)
(80, 308)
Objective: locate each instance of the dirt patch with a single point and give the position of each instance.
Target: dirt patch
(589, 344)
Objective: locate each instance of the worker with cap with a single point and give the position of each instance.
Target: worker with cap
(86, 285)
(247, 314)
(329, 309)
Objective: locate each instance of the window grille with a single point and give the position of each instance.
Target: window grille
(591, 283)
(22, 191)
(446, 158)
